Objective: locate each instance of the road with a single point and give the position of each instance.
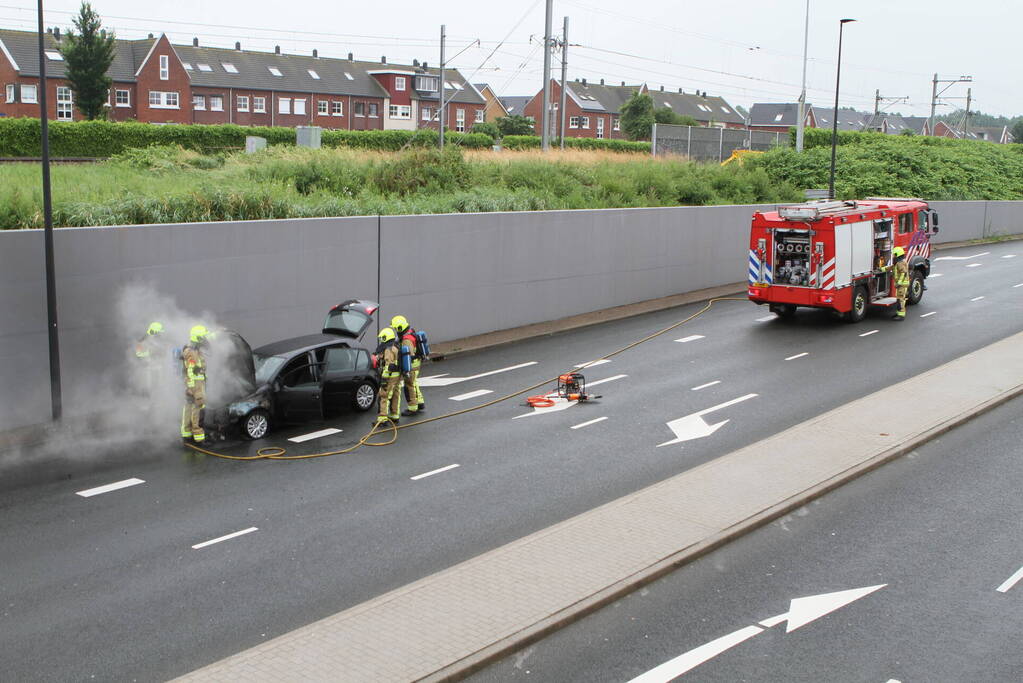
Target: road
(936, 534)
(112, 586)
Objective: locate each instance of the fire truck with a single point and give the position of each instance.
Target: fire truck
(837, 255)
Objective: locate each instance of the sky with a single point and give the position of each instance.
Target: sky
(743, 50)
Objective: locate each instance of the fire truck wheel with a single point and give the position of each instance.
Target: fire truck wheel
(916, 288)
(783, 310)
(859, 306)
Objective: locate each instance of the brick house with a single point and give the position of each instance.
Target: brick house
(157, 82)
(711, 111)
(494, 108)
(777, 117)
(592, 110)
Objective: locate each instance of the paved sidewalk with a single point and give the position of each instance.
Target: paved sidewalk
(459, 619)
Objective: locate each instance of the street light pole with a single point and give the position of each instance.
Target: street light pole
(51, 279)
(834, 124)
(802, 93)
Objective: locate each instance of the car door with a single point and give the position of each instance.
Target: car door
(344, 369)
(298, 395)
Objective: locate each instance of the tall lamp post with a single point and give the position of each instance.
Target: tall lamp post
(834, 124)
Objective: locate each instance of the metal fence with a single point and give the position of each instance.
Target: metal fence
(710, 144)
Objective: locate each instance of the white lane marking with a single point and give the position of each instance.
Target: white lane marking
(976, 298)
(962, 258)
(593, 363)
(433, 472)
(444, 380)
(692, 337)
(110, 487)
(314, 435)
(927, 314)
(225, 538)
(690, 660)
(867, 334)
(1011, 581)
(563, 403)
(693, 426)
(974, 265)
(766, 318)
(606, 379)
(798, 355)
(774, 621)
(1009, 256)
(587, 424)
(471, 394)
(704, 386)
(1019, 285)
(935, 275)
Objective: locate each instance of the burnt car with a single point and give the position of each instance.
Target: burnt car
(307, 378)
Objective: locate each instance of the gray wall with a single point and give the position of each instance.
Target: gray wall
(455, 275)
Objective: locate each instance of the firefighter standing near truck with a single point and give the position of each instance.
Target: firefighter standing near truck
(193, 361)
(386, 360)
(413, 349)
(901, 270)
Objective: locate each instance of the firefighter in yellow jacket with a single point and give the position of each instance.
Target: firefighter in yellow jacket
(150, 351)
(901, 270)
(410, 346)
(193, 360)
(386, 361)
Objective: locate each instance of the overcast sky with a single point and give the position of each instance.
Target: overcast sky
(744, 50)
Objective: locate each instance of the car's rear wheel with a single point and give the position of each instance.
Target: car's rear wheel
(256, 424)
(365, 396)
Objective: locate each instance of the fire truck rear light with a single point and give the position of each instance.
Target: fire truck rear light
(753, 291)
(825, 299)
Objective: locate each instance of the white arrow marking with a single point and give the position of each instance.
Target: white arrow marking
(694, 427)
(563, 403)
(1011, 581)
(444, 380)
(801, 612)
(961, 258)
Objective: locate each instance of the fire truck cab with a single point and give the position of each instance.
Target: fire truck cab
(837, 255)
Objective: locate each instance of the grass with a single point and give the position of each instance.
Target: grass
(158, 185)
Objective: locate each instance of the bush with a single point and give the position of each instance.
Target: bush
(521, 142)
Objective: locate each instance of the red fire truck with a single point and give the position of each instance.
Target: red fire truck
(837, 254)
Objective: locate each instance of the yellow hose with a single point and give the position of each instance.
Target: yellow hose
(278, 453)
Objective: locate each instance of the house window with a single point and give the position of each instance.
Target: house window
(188, 67)
(216, 103)
(400, 111)
(313, 74)
(322, 107)
(54, 56)
(460, 120)
(205, 67)
(337, 108)
(243, 102)
(349, 76)
(573, 121)
(427, 83)
(360, 109)
(616, 124)
(65, 104)
(198, 102)
(275, 71)
(399, 82)
(600, 128)
(778, 117)
(164, 67)
(259, 105)
(585, 122)
(229, 68)
(373, 110)
(427, 114)
(283, 105)
(10, 92)
(479, 116)
(122, 98)
(300, 107)
(28, 94)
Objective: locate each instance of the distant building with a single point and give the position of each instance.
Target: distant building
(709, 111)
(494, 109)
(778, 117)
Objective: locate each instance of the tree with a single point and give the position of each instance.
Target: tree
(666, 115)
(487, 128)
(516, 125)
(1017, 132)
(638, 117)
(88, 55)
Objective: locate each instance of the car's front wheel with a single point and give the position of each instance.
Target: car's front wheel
(365, 396)
(256, 424)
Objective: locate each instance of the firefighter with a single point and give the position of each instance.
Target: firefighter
(901, 269)
(386, 362)
(149, 350)
(193, 361)
(410, 345)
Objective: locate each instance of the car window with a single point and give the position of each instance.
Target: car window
(298, 371)
(362, 362)
(266, 366)
(924, 225)
(905, 223)
(341, 359)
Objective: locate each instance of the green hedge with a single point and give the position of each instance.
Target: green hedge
(520, 142)
(19, 137)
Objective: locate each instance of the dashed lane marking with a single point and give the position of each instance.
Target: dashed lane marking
(225, 538)
(471, 394)
(704, 386)
(606, 379)
(587, 424)
(766, 318)
(974, 265)
(1019, 285)
(1009, 256)
(867, 334)
(692, 337)
(936, 275)
(314, 435)
(1011, 581)
(927, 314)
(593, 363)
(424, 475)
(976, 298)
(798, 355)
(87, 493)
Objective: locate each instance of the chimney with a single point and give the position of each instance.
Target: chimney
(277, 49)
(350, 58)
(195, 42)
(662, 88)
(584, 81)
(316, 53)
(150, 36)
(49, 30)
(623, 84)
(602, 81)
(704, 93)
(415, 62)
(425, 67)
(56, 33)
(680, 91)
(238, 46)
(383, 60)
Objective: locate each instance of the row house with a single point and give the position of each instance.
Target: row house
(592, 110)
(495, 109)
(155, 81)
(778, 117)
(711, 111)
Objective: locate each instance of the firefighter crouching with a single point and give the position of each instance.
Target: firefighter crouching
(386, 362)
(901, 269)
(414, 349)
(193, 360)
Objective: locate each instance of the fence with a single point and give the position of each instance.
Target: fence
(710, 144)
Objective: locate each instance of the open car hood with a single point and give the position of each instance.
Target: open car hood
(230, 370)
(350, 318)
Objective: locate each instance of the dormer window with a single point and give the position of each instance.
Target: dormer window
(54, 56)
(349, 76)
(313, 74)
(275, 71)
(188, 67)
(229, 68)
(426, 83)
(205, 67)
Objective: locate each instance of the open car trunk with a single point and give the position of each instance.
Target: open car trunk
(350, 319)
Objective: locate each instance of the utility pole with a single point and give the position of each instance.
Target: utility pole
(545, 117)
(877, 104)
(935, 94)
(966, 119)
(440, 87)
(802, 93)
(564, 81)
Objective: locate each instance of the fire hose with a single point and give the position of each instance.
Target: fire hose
(279, 453)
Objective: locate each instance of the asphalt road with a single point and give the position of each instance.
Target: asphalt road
(938, 530)
(111, 586)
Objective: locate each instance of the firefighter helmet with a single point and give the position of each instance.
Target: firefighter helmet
(898, 252)
(198, 334)
(399, 323)
(386, 335)
(154, 328)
